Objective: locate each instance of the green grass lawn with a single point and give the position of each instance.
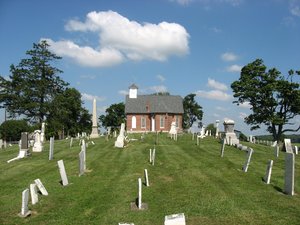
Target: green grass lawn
(186, 178)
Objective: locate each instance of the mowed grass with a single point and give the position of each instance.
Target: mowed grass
(186, 178)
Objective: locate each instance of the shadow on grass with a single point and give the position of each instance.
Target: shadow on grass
(278, 189)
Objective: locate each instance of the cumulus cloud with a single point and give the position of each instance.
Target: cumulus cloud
(182, 2)
(294, 7)
(123, 92)
(245, 105)
(209, 2)
(220, 108)
(214, 94)
(161, 77)
(101, 109)
(234, 68)
(229, 57)
(121, 38)
(216, 85)
(88, 97)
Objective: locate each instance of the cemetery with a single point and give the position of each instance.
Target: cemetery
(189, 183)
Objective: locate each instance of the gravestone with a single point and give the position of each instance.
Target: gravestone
(217, 128)
(81, 163)
(41, 187)
(34, 194)
(24, 141)
(1, 143)
(37, 146)
(230, 135)
(267, 177)
(23, 148)
(51, 148)
(126, 223)
(43, 133)
(276, 150)
(175, 219)
(153, 157)
(140, 193)
(71, 142)
(287, 146)
(289, 174)
(296, 150)
(173, 131)
(150, 155)
(246, 165)
(25, 198)
(83, 149)
(146, 178)
(223, 147)
(62, 171)
(119, 143)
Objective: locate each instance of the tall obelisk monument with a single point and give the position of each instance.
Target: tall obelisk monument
(95, 132)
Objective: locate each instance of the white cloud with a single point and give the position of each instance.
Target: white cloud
(159, 88)
(209, 2)
(214, 94)
(245, 105)
(229, 57)
(123, 92)
(294, 6)
(86, 56)
(234, 68)
(101, 109)
(88, 97)
(216, 30)
(120, 39)
(216, 85)
(223, 109)
(216, 115)
(161, 77)
(182, 2)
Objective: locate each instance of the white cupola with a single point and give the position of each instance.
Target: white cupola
(133, 91)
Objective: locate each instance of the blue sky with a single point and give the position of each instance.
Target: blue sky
(179, 46)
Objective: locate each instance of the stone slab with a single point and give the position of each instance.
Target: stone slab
(175, 219)
(41, 187)
(62, 171)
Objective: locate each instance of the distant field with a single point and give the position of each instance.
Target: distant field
(186, 178)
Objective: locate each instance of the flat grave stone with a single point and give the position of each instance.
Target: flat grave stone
(175, 219)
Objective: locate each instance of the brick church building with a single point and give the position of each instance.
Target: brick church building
(152, 112)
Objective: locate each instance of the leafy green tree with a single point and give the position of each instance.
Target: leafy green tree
(67, 114)
(274, 98)
(10, 130)
(32, 85)
(192, 111)
(115, 115)
(212, 128)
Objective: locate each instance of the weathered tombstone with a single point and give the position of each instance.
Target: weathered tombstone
(37, 146)
(25, 198)
(150, 159)
(126, 223)
(296, 150)
(63, 174)
(24, 141)
(43, 133)
(34, 194)
(249, 154)
(276, 148)
(153, 156)
(51, 148)
(41, 186)
(71, 142)
(223, 147)
(217, 128)
(287, 146)
(175, 219)
(119, 143)
(230, 135)
(95, 132)
(81, 163)
(146, 178)
(289, 174)
(23, 147)
(173, 131)
(140, 193)
(1, 143)
(83, 149)
(267, 177)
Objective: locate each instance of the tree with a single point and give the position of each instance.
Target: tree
(32, 85)
(212, 128)
(115, 115)
(274, 98)
(10, 130)
(67, 114)
(192, 111)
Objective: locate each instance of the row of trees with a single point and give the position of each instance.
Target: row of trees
(35, 92)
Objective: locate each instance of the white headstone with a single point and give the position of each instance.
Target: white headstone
(41, 186)
(267, 177)
(71, 142)
(119, 143)
(223, 147)
(230, 135)
(81, 163)
(276, 148)
(287, 146)
(173, 130)
(43, 133)
(296, 150)
(34, 194)
(51, 148)
(95, 132)
(175, 219)
(249, 154)
(289, 174)
(146, 177)
(126, 223)
(62, 172)
(25, 198)
(153, 157)
(150, 158)
(38, 145)
(140, 193)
